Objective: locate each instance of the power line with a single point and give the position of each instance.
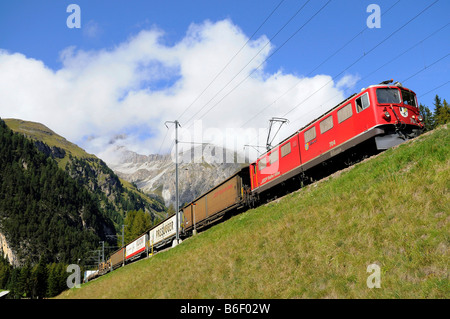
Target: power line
(254, 70)
(437, 87)
(406, 51)
(363, 56)
(393, 59)
(323, 62)
(221, 71)
(162, 143)
(426, 67)
(265, 45)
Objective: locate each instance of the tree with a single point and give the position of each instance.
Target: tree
(437, 107)
(442, 112)
(427, 116)
(57, 277)
(24, 282)
(39, 280)
(138, 222)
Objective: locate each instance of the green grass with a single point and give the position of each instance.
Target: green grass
(392, 210)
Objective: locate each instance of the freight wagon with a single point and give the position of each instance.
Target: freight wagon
(165, 232)
(231, 194)
(136, 248)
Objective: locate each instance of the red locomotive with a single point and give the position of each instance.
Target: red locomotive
(379, 117)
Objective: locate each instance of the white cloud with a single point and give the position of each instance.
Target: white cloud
(135, 87)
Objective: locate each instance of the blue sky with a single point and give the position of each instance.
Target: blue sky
(35, 37)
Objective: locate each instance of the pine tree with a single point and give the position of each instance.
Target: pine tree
(427, 116)
(39, 280)
(24, 282)
(437, 110)
(443, 116)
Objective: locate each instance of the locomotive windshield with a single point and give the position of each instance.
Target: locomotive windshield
(392, 95)
(387, 95)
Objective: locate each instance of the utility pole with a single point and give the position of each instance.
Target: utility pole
(103, 251)
(176, 174)
(123, 244)
(194, 232)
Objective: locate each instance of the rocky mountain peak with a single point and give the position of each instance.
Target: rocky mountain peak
(200, 168)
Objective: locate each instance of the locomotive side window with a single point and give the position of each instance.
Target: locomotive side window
(362, 102)
(344, 113)
(285, 149)
(273, 157)
(310, 134)
(326, 124)
(262, 163)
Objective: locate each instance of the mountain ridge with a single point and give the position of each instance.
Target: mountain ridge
(88, 169)
(155, 173)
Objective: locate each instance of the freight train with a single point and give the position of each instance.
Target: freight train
(375, 119)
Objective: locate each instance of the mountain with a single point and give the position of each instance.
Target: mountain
(116, 196)
(44, 213)
(156, 173)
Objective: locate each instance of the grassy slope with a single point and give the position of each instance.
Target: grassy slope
(392, 210)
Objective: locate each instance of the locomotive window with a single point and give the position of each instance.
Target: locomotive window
(310, 134)
(326, 124)
(344, 113)
(273, 157)
(285, 149)
(262, 163)
(387, 95)
(362, 102)
(409, 98)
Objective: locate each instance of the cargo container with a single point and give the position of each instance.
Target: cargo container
(165, 232)
(136, 248)
(118, 258)
(213, 205)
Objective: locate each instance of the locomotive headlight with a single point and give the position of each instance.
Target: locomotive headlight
(420, 118)
(386, 115)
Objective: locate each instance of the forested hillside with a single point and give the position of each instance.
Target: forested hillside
(114, 195)
(43, 211)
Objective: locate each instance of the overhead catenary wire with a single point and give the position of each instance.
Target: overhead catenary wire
(232, 58)
(223, 69)
(435, 62)
(435, 88)
(390, 61)
(425, 67)
(311, 72)
(243, 68)
(254, 70)
(364, 55)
